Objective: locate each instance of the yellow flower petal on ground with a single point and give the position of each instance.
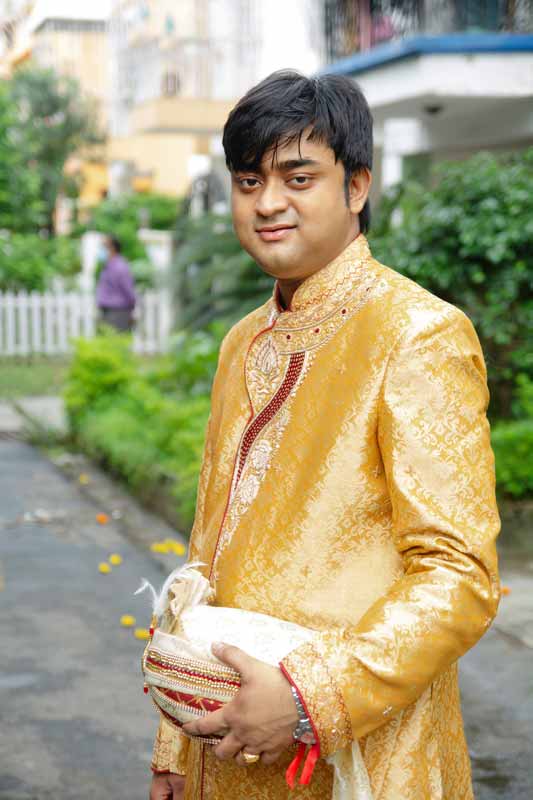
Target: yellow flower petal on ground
(505, 590)
(127, 620)
(83, 479)
(102, 518)
(141, 633)
(159, 547)
(175, 546)
(104, 568)
(115, 559)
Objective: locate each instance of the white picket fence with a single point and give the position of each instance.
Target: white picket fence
(46, 323)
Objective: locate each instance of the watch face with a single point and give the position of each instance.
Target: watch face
(304, 732)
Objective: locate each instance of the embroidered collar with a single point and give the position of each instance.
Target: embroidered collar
(330, 285)
(320, 295)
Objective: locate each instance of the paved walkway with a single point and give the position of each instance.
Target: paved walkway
(76, 724)
(45, 412)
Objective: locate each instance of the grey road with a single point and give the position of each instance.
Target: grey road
(75, 724)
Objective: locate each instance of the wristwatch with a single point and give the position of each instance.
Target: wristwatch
(303, 732)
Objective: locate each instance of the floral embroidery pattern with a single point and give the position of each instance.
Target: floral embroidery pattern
(271, 421)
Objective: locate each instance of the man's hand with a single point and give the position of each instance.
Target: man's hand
(167, 786)
(261, 717)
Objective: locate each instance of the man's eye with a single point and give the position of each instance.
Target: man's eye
(248, 183)
(300, 180)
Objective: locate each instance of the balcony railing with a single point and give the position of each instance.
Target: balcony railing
(353, 26)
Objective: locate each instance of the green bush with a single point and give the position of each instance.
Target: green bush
(123, 216)
(30, 262)
(155, 444)
(190, 366)
(100, 368)
(143, 274)
(512, 443)
(121, 416)
(523, 404)
(469, 239)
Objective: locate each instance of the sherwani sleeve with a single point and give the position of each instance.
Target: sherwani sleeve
(171, 747)
(434, 440)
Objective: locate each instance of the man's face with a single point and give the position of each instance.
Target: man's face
(291, 215)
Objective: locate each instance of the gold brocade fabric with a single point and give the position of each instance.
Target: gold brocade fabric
(348, 486)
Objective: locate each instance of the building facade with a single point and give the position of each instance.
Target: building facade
(444, 78)
(178, 69)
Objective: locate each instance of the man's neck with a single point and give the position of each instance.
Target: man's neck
(287, 288)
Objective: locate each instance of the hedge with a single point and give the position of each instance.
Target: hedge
(146, 425)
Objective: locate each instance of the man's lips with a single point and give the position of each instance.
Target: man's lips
(273, 233)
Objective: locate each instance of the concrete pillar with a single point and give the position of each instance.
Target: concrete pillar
(401, 137)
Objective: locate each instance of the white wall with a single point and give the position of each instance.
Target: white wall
(252, 38)
(291, 36)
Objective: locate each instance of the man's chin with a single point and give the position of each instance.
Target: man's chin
(278, 262)
(281, 270)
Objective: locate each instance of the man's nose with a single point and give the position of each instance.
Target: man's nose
(271, 199)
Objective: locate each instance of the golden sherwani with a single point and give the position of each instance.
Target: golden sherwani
(348, 485)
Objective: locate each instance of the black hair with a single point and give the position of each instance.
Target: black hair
(117, 247)
(277, 110)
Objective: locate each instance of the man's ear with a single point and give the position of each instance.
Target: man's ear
(358, 190)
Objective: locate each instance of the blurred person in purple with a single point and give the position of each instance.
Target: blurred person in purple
(115, 290)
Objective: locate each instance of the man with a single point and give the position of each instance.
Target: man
(115, 292)
(347, 482)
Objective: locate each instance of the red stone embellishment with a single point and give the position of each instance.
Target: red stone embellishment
(343, 311)
(288, 336)
(293, 371)
(317, 330)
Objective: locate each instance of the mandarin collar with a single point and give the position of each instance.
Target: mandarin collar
(322, 285)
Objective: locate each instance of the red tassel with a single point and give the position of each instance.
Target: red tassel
(145, 689)
(309, 766)
(292, 769)
(151, 631)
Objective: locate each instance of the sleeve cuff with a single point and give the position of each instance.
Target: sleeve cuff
(321, 696)
(170, 750)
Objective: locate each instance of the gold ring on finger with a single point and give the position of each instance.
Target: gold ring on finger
(250, 758)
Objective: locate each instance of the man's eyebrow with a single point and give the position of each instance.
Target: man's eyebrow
(296, 163)
(284, 166)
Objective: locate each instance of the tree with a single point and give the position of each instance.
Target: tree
(21, 207)
(55, 120)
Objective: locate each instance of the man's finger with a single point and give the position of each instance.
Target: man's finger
(228, 747)
(178, 787)
(160, 788)
(233, 656)
(211, 724)
(271, 756)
